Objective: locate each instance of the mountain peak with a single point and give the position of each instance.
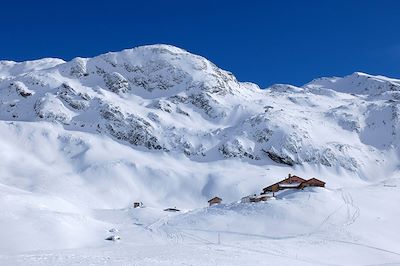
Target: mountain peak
(160, 97)
(357, 83)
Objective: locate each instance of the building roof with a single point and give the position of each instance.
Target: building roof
(315, 179)
(287, 181)
(215, 198)
(293, 176)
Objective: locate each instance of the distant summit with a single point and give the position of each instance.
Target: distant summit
(358, 83)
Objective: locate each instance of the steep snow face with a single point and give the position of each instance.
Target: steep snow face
(163, 98)
(376, 116)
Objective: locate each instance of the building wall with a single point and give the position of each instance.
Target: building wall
(216, 201)
(272, 188)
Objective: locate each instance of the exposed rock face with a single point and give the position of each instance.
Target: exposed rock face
(116, 83)
(21, 89)
(75, 100)
(130, 128)
(163, 98)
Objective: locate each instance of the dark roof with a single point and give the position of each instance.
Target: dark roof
(294, 176)
(215, 198)
(171, 210)
(283, 181)
(316, 180)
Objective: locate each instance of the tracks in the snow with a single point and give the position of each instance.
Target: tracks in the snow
(353, 211)
(340, 218)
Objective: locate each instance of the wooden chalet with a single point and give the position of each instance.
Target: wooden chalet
(293, 182)
(214, 201)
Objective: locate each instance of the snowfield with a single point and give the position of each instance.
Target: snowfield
(82, 140)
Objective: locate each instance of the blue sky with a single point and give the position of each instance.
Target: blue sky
(261, 41)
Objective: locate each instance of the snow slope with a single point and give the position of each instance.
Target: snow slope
(82, 140)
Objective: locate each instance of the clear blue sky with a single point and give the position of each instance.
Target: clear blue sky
(261, 41)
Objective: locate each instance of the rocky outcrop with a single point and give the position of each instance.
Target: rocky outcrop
(130, 128)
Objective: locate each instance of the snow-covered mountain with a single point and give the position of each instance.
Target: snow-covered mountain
(166, 127)
(165, 99)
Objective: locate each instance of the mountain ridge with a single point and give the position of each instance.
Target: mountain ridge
(163, 98)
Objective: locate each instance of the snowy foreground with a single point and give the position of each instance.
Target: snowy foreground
(314, 227)
(82, 140)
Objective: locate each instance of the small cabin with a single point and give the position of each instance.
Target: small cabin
(137, 204)
(113, 238)
(214, 201)
(171, 210)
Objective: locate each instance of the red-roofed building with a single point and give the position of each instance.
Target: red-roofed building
(215, 200)
(293, 182)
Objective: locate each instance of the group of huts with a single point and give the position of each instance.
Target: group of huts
(291, 182)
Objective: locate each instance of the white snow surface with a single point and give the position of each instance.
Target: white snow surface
(82, 140)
